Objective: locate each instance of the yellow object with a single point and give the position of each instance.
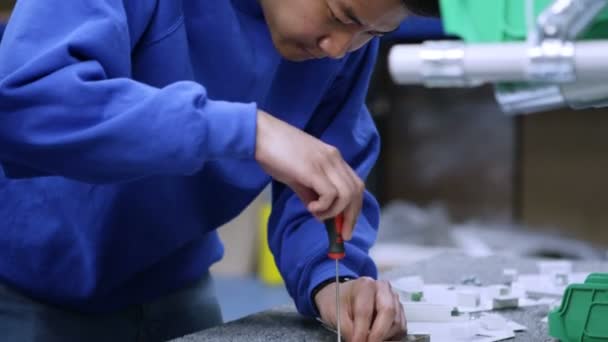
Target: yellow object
(267, 268)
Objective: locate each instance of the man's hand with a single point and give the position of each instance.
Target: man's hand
(314, 170)
(370, 310)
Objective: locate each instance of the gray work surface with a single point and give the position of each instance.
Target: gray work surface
(284, 324)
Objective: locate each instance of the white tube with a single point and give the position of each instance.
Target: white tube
(491, 63)
(494, 62)
(591, 61)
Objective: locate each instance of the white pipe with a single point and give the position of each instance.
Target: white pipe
(491, 63)
(591, 61)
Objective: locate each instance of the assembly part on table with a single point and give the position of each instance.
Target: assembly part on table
(286, 325)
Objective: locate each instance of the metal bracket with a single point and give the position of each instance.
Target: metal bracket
(567, 19)
(443, 64)
(528, 98)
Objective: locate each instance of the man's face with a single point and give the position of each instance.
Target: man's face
(307, 29)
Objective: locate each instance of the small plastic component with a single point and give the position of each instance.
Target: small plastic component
(470, 299)
(425, 312)
(510, 276)
(410, 289)
(504, 290)
(505, 302)
(471, 281)
(561, 279)
(416, 296)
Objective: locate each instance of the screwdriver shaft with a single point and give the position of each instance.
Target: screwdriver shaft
(338, 301)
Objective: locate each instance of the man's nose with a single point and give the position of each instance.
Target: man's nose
(337, 44)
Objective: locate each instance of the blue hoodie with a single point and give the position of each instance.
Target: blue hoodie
(127, 137)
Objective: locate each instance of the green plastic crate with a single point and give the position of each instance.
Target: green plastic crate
(493, 21)
(583, 314)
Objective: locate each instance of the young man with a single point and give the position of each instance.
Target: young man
(131, 129)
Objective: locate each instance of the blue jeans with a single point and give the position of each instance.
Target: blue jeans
(186, 311)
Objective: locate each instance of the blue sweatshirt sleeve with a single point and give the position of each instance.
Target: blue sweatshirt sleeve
(298, 241)
(68, 106)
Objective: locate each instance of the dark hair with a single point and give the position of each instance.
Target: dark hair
(427, 8)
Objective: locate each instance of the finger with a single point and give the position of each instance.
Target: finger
(398, 322)
(340, 179)
(398, 316)
(305, 194)
(403, 319)
(348, 325)
(398, 329)
(363, 306)
(351, 214)
(326, 192)
(346, 322)
(385, 312)
(353, 208)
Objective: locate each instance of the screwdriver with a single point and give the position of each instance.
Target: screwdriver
(336, 252)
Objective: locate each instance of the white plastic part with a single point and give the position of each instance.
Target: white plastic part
(469, 298)
(494, 322)
(505, 302)
(561, 279)
(504, 290)
(465, 331)
(510, 275)
(409, 288)
(552, 268)
(426, 312)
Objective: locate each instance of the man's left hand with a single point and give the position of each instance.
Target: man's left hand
(370, 310)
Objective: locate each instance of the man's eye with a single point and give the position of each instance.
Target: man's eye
(333, 17)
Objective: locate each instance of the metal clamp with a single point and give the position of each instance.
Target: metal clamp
(552, 50)
(552, 61)
(443, 64)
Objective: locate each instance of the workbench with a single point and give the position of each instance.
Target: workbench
(284, 324)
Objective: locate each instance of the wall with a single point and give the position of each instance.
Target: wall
(565, 173)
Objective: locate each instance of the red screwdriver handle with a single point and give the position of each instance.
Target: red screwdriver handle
(336, 242)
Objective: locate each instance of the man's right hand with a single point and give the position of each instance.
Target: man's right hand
(314, 170)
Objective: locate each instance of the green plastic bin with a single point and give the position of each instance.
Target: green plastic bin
(583, 314)
(494, 21)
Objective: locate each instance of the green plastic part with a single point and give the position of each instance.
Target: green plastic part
(417, 296)
(583, 314)
(495, 21)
